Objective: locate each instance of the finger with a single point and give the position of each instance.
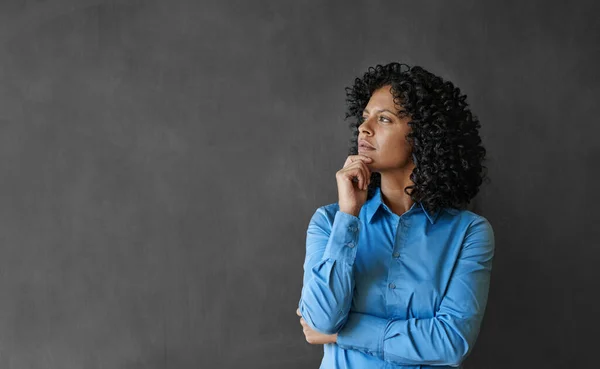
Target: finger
(353, 158)
(363, 174)
(298, 312)
(366, 173)
(355, 175)
(360, 171)
(362, 157)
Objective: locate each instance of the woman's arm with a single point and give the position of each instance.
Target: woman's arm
(328, 282)
(447, 338)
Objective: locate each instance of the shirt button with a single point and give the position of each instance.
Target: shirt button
(350, 244)
(396, 254)
(392, 286)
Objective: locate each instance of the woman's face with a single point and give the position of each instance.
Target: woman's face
(385, 127)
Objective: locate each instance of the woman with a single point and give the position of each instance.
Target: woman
(398, 271)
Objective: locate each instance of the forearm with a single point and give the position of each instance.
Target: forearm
(329, 278)
(442, 340)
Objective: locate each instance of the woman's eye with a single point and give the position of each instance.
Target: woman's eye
(381, 118)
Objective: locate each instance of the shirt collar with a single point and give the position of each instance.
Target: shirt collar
(375, 202)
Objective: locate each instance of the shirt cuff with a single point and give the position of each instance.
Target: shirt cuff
(343, 240)
(363, 332)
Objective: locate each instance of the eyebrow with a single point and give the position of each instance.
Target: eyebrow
(382, 110)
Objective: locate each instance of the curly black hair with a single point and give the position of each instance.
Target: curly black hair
(446, 147)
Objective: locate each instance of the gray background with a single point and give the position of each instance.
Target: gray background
(160, 161)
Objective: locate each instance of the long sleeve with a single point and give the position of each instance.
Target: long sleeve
(328, 282)
(448, 337)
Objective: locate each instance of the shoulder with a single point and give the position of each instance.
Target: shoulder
(324, 215)
(479, 222)
(467, 221)
(321, 222)
(476, 228)
(467, 217)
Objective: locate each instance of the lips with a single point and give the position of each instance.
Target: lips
(364, 144)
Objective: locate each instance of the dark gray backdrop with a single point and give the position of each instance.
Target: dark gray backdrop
(160, 161)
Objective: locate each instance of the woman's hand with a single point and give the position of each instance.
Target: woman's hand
(313, 337)
(353, 196)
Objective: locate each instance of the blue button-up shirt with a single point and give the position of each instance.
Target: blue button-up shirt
(404, 291)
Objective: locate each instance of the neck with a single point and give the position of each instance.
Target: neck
(392, 190)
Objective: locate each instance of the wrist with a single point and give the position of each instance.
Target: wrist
(353, 212)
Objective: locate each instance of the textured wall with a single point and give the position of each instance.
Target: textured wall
(160, 161)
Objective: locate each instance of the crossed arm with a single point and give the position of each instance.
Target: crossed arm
(445, 339)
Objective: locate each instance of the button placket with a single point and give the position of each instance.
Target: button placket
(400, 239)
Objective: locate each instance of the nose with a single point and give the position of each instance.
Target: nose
(364, 126)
